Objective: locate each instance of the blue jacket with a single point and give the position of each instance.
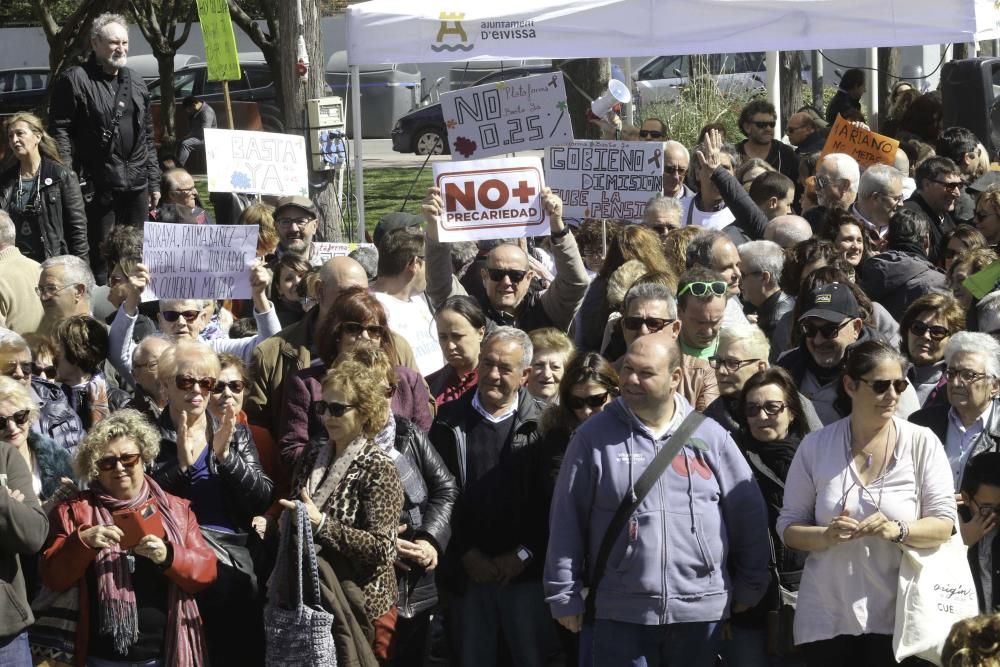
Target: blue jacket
(698, 540)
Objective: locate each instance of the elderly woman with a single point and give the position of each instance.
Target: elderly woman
(352, 492)
(461, 326)
(856, 490)
(136, 591)
(82, 347)
(213, 463)
(41, 194)
(925, 328)
(553, 350)
(356, 316)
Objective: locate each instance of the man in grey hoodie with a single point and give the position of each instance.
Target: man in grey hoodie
(697, 545)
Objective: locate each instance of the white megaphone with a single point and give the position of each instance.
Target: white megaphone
(617, 93)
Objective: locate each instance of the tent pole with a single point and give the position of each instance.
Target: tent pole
(773, 86)
(871, 92)
(359, 168)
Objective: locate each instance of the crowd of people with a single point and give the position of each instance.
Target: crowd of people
(704, 436)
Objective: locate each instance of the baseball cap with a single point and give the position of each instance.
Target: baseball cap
(831, 302)
(983, 183)
(393, 221)
(298, 201)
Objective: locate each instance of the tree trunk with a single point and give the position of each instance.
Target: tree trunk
(889, 71)
(168, 128)
(961, 51)
(267, 42)
(790, 83)
(591, 75)
(295, 91)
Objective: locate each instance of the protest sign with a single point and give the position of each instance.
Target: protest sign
(264, 163)
(605, 179)
(321, 252)
(491, 199)
(198, 261)
(507, 116)
(983, 282)
(220, 41)
(865, 146)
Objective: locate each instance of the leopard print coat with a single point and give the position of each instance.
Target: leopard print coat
(360, 528)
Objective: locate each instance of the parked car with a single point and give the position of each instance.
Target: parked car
(422, 131)
(23, 89)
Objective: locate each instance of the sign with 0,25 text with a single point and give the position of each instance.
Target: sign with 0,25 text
(507, 116)
(491, 199)
(263, 163)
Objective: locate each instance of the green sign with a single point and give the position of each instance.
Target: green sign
(220, 41)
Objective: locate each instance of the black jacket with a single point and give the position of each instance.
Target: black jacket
(940, 226)
(57, 419)
(781, 156)
(813, 144)
(772, 310)
(80, 112)
(841, 102)
(936, 419)
(250, 489)
(977, 575)
(417, 589)
(61, 227)
(895, 278)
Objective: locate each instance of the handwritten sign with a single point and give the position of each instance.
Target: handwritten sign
(198, 261)
(865, 146)
(491, 199)
(324, 251)
(507, 116)
(258, 162)
(220, 41)
(605, 179)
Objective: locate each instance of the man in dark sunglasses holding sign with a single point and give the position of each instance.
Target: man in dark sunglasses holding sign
(758, 122)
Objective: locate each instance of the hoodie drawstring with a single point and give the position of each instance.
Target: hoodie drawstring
(628, 450)
(687, 466)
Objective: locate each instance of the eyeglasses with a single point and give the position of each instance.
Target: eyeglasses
(823, 182)
(764, 124)
(12, 367)
(580, 402)
(187, 383)
(882, 386)
(288, 222)
(150, 365)
(355, 329)
(51, 290)
(674, 170)
(830, 331)
(108, 463)
(732, 365)
(651, 134)
(515, 276)
(919, 328)
(770, 408)
(235, 386)
(20, 418)
(948, 185)
(699, 289)
(654, 324)
(174, 315)
(985, 509)
(335, 409)
(47, 371)
(967, 376)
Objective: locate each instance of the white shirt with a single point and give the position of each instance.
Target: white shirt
(960, 440)
(707, 219)
(413, 321)
(495, 419)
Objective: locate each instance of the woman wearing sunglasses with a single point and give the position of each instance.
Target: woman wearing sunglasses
(213, 462)
(136, 601)
(926, 328)
(353, 494)
(356, 316)
(856, 490)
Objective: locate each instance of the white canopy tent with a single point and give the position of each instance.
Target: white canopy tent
(393, 31)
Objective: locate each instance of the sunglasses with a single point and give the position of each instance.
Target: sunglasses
(770, 408)
(355, 329)
(920, 328)
(830, 331)
(174, 315)
(882, 386)
(187, 383)
(334, 409)
(515, 276)
(235, 386)
(651, 134)
(967, 376)
(108, 463)
(674, 170)
(25, 366)
(699, 289)
(654, 324)
(764, 124)
(47, 371)
(948, 185)
(579, 402)
(20, 418)
(732, 365)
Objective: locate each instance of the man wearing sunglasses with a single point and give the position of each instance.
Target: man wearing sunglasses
(715, 252)
(757, 121)
(939, 186)
(977, 513)
(653, 129)
(676, 160)
(507, 275)
(806, 131)
(701, 305)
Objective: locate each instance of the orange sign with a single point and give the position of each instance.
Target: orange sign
(863, 145)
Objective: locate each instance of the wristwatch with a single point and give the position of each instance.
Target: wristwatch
(523, 554)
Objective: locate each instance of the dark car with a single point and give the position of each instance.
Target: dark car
(23, 89)
(422, 131)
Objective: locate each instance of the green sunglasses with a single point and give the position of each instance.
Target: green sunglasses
(699, 289)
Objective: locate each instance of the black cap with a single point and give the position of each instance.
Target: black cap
(393, 221)
(984, 182)
(831, 302)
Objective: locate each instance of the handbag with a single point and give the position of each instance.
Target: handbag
(52, 637)
(935, 590)
(630, 503)
(298, 631)
(232, 552)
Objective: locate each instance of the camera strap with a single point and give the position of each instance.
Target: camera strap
(122, 94)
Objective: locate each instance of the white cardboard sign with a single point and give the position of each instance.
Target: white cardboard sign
(605, 179)
(491, 199)
(198, 261)
(257, 162)
(507, 116)
(325, 250)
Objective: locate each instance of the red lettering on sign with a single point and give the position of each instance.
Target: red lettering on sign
(523, 191)
(466, 195)
(503, 194)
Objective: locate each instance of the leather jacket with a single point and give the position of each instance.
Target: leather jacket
(61, 227)
(250, 489)
(57, 419)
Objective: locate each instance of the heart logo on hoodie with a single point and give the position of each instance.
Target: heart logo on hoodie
(681, 466)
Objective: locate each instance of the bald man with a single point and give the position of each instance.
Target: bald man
(507, 275)
(787, 230)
